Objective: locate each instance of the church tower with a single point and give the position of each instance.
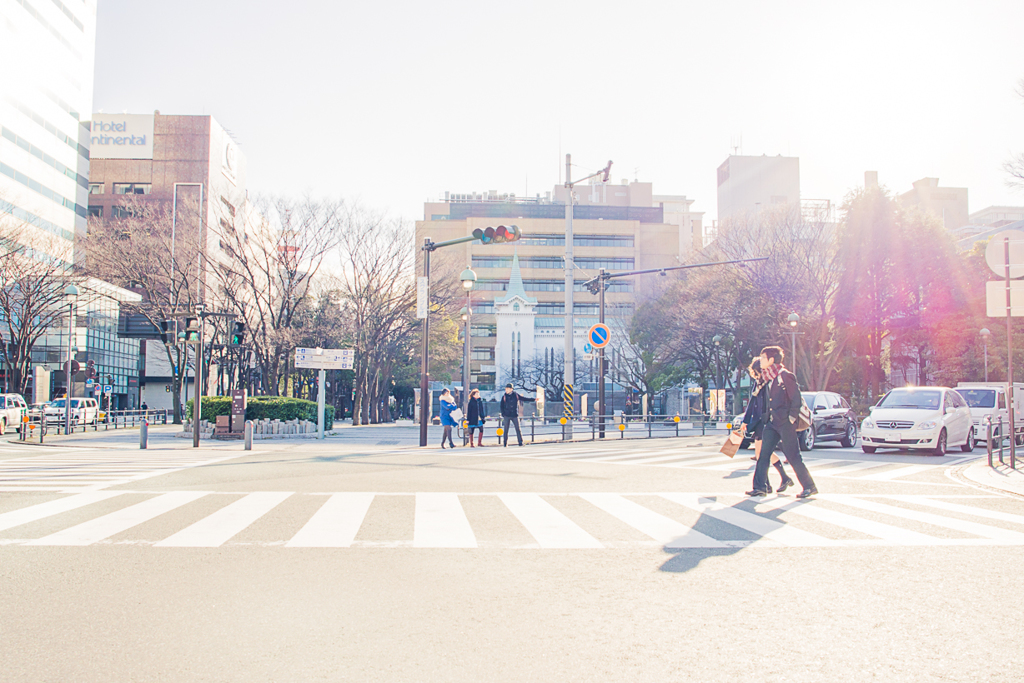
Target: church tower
(514, 314)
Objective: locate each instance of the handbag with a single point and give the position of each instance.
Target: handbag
(456, 414)
(732, 444)
(803, 421)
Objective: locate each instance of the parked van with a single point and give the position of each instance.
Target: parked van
(12, 409)
(84, 411)
(988, 402)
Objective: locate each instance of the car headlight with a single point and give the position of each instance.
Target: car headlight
(930, 424)
(868, 424)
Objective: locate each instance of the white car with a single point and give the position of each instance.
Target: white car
(12, 409)
(84, 411)
(924, 418)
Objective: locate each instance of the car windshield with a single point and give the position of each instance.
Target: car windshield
(911, 398)
(59, 403)
(979, 398)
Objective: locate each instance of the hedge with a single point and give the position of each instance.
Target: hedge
(263, 408)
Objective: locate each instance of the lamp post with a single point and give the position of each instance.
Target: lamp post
(72, 293)
(793, 321)
(985, 334)
(468, 278)
(717, 339)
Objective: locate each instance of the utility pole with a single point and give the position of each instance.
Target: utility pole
(601, 412)
(570, 364)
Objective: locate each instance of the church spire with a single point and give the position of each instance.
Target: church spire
(515, 285)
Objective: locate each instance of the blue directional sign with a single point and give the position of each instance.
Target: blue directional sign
(599, 335)
(587, 348)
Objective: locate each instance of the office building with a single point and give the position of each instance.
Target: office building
(171, 161)
(616, 227)
(749, 184)
(997, 216)
(949, 204)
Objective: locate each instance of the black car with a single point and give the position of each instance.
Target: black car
(832, 420)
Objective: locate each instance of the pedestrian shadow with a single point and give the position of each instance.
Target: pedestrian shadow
(686, 558)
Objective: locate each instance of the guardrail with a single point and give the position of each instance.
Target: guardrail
(37, 426)
(615, 426)
(1003, 439)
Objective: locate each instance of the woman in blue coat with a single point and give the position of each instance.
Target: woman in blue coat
(448, 405)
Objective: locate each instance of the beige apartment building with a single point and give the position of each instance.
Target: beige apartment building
(947, 203)
(616, 227)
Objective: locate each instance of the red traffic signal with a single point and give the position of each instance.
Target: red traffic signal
(499, 235)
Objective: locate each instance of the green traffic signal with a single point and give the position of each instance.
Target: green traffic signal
(499, 235)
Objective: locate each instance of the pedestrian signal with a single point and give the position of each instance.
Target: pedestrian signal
(192, 329)
(237, 336)
(167, 332)
(499, 235)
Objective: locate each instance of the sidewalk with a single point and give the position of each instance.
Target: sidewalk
(999, 477)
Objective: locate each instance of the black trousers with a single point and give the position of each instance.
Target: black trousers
(505, 420)
(790, 448)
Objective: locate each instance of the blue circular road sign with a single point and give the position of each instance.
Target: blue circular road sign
(599, 335)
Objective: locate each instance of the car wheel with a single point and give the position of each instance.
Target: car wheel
(969, 445)
(3, 426)
(868, 449)
(850, 439)
(940, 445)
(807, 441)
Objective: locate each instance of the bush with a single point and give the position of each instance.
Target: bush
(263, 408)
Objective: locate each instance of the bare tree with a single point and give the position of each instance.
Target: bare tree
(137, 250)
(546, 372)
(264, 269)
(32, 299)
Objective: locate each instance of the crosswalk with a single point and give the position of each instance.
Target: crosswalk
(79, 469)
(669, 454)
(517, 520)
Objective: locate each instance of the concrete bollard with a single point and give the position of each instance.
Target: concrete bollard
(144, 434)
(248, 435)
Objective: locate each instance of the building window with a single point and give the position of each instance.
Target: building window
(132, 188)
(229, 206)
(96, 211)
(95, 188)
(121, 212)
(515, 307)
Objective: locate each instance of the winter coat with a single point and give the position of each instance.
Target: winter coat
(447, 406)
(477, 412)
(510, 404)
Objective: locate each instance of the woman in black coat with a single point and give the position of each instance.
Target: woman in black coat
(756, 416)
(475, 416)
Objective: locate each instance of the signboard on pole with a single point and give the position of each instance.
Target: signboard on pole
(995, 298)
(599, 335)
(421, 297)
(325, 359)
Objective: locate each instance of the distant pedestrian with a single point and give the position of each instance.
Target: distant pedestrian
(447, 405)
(476, 413)
(784, 402)
(511, 404)
(754, 420)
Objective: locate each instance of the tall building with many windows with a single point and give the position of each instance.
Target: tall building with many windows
(616, 227)
(47, 53)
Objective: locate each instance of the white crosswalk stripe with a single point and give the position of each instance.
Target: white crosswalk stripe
(668, 454)
(68, 470)
(439, 520)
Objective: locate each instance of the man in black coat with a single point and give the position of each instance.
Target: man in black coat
(784, 403)
(510, 412)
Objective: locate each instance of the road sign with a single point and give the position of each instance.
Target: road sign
(588, 356)
(599, 335)
(89, 383)
(421, 297)
(107, 389)
(588, 348)
(995, 298)
(325, 359)
(995, 254)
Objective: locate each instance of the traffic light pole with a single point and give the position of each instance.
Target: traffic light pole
(601, 412)
(197, 409)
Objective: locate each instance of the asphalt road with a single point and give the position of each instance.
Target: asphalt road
(617, 561)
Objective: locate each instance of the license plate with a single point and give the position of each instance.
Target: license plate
(894, 437)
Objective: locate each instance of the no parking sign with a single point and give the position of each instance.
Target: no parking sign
(599, 335)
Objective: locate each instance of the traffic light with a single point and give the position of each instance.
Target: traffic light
(237, 337)
(90, 369)
(192, 329)
(499, 235)
(167, 332)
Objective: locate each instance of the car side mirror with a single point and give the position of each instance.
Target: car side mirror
(950, 410)
(818, 409)
(871, 409)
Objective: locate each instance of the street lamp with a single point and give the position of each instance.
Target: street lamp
(468, 278)
(793, 321)
(985, 334)
(72, 293)
(717, 339)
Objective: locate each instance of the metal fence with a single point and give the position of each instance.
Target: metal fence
(614, 427)
(35, 428)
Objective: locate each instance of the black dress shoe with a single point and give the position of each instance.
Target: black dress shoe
(807, 493)
(756, 494)
(769, 488)
(786, 484)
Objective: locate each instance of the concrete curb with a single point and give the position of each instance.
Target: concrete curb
(999, 478)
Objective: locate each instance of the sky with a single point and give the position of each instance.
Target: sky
(390, 104)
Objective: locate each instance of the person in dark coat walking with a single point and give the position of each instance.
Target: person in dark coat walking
(756, 416)
(510, 403)
(475, 414)
(784, 403)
